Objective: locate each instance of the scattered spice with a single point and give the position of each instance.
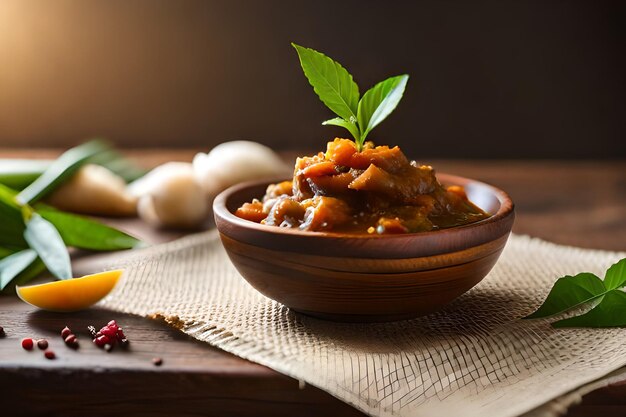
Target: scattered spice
(27, 343)
(71, 341)
(2, 333)
(65, 332)
(49, 354)
(42, 344)
(69, 338)
(157, 361)
(108, 336)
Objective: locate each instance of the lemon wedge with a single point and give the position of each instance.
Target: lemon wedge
(70, 294)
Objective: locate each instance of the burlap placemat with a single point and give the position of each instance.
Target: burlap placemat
(475, 358)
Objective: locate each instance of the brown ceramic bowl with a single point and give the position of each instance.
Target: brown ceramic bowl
(365, 277)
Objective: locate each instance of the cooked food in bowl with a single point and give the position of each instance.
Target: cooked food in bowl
(373, 191)
(361, 233)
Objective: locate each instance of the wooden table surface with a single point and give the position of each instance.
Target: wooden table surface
(581, 203)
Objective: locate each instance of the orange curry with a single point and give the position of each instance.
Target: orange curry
(376, 191)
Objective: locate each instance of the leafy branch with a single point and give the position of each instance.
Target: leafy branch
(34, 237)
(584, 289)
(339, 92)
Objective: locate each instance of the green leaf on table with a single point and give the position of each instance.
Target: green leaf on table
(11, 222)
(77, 231)
(8, 199)
(332, 82)
(27, 275)
(378, 102)
(61, 170)
(569, 292)
(33, 271)
(13, 265)
(576, 291)
(85, 233)
(44, 238)
(616, 275)
(4, 252)
(19, 173)
(610, 312)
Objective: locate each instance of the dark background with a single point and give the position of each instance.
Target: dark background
(512, 79)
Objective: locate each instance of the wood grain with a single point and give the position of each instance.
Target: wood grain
(194, 379)
(578, 203)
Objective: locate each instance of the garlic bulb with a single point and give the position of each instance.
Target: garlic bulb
(94, 190)
(233, 162)
(171, 196)
(179, 194)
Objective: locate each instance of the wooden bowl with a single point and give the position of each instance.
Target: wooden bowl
(365, 278)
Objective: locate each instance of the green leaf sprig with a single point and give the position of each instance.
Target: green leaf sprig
(569, 292)
(340, 93)
(35, 237)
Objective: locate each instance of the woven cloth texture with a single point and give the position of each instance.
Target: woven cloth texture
(474, 358)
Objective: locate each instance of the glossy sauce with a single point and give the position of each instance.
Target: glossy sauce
(374, 191)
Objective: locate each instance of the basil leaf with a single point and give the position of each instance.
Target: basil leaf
(42, 236)
(85, 233)
(332, 82)
(13, 265)
(569, 292)
(379, 101)
(352, 128)
(60, 170)
(616, 275)
(611, 312)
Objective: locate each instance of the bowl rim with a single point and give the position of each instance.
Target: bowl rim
(221, 210)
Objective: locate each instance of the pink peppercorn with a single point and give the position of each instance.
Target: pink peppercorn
(27, 343)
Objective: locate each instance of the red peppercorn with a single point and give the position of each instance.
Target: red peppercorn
(157, 361)
(42, 344)
(108, 331)
(49, 354)
(65, 332)
(102, 340)
(71, 341)
(108, 336)
(27, 343)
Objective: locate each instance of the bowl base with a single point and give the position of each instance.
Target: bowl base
(360, 318)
